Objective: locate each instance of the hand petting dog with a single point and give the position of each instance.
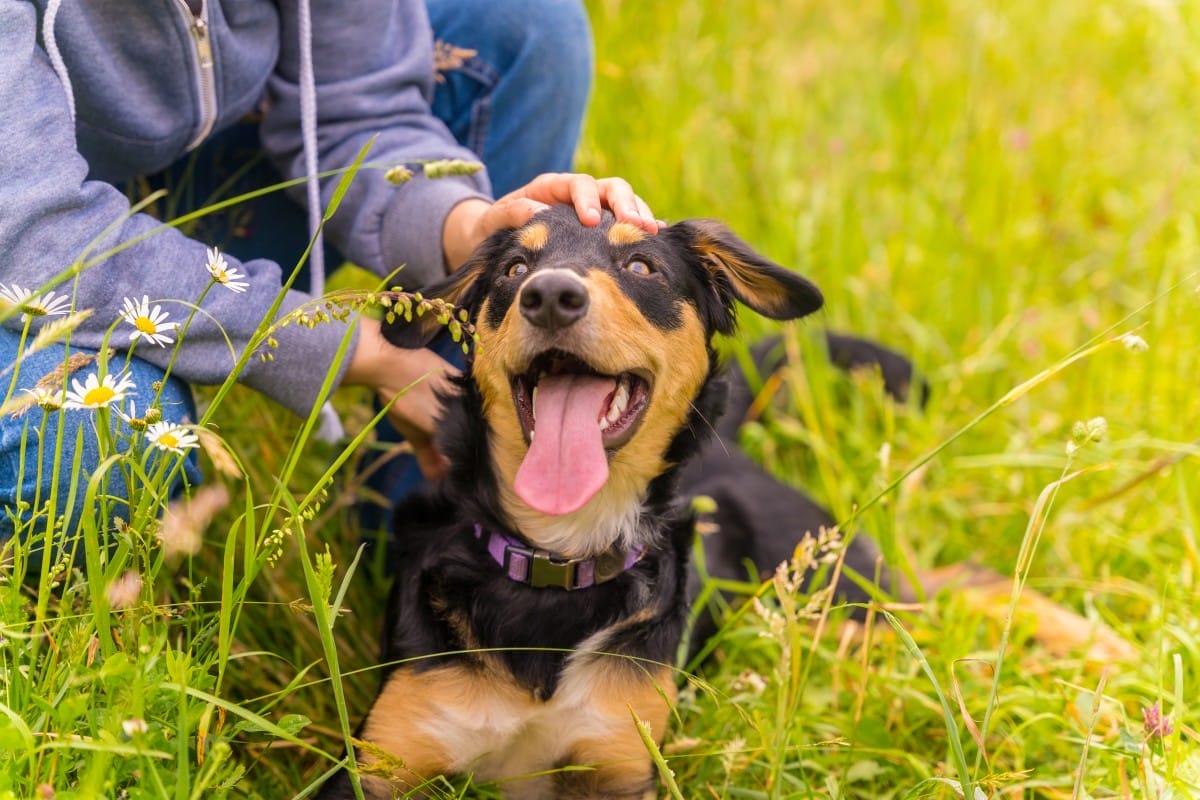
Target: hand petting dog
(390, 371)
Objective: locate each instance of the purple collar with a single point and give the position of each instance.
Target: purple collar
(540, 568)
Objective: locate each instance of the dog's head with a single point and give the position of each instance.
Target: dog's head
(593, 345)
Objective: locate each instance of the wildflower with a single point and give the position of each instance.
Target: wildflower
(1155, 724)
(134, 726)
(46, 398)
(172, 437)
(153, 414)
(218, 454)
(148, 323)
(398, 174)
(1134, 343)
(98, 393)
(182, 529)
(1085, 433)
(448, 57)
(750, 681)
(125, 590)
(31, 305)
(224, 274)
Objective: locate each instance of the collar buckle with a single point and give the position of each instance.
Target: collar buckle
(541, 568)
(546, 570)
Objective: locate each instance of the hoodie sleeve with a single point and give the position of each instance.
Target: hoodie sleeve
(53, 217)
(374, 76)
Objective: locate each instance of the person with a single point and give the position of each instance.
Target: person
(184, 95)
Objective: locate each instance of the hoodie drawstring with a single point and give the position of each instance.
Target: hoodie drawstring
(330, 425)
(56, 59)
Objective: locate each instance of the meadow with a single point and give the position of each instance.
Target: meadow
(1006, 192)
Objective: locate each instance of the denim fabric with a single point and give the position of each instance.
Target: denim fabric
(40, 432)
(518, 103)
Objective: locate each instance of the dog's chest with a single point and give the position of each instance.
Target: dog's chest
(509, 734)
(472, 719)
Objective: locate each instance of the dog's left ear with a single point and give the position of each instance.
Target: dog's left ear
(455, 289)
(736, 272)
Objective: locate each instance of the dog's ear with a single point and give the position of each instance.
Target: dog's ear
(456, 289)
(735, 272)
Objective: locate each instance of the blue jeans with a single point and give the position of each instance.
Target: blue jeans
(32, 443)
(518, 102)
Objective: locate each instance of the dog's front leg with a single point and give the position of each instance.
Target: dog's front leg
(424, 724)
(603, 694)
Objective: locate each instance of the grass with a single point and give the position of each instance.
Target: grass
(990, 188)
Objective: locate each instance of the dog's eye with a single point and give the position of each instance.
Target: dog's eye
(517, 268)
(639, 268)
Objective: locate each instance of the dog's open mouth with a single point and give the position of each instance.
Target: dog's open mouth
(572, 417)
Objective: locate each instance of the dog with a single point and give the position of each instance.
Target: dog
(542, 588)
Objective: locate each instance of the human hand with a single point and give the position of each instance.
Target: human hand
(472, 221)
(420, 374)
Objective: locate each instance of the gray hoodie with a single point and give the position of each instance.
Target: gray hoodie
(141, 99)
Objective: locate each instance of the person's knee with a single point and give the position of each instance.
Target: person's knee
(547, 41)
(557, 42)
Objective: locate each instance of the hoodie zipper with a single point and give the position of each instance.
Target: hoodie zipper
(205, 83)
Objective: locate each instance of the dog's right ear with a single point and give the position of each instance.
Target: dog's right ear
(457, 290)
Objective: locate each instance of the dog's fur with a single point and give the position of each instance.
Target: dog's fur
(488, 676)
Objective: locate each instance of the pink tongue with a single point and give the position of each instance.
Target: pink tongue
(566, 464)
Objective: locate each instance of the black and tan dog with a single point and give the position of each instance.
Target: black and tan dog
(541, 589)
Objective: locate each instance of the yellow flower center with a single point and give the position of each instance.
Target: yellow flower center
(101, 395)
(145, 325)
(168, 441)
(34, 311)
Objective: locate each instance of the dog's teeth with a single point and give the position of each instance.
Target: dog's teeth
(604, 423)
(619, 402)
(531, 432)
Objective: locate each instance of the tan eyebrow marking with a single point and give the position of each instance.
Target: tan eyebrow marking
(534, 237)
(624, 233)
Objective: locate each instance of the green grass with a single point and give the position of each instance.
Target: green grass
(988, 187)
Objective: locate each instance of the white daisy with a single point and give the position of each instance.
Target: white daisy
(31, 305)
(224, 274)
(148, 323)
(46, 398)
(172, 437)
(133, 727)
(152, 415)
(97, 393)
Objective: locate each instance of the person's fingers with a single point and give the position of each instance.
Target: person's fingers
(585, 193)
(510, 211)
(585, 196)
(648, 215)
(619, 196)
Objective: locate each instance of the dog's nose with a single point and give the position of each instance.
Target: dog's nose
(554, 299)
